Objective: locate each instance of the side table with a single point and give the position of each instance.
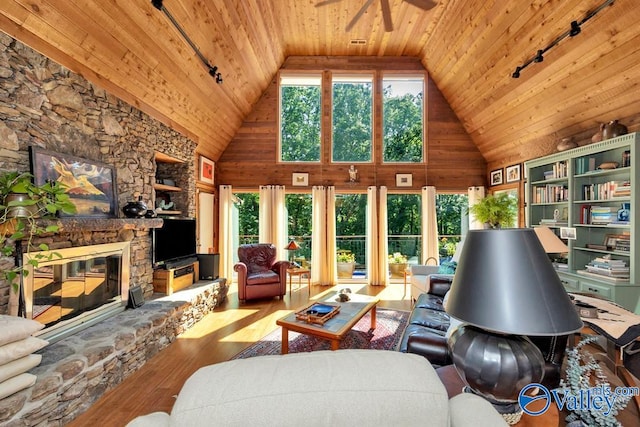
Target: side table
(454, 385)
(299, 272)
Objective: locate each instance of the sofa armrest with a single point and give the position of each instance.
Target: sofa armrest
(155, 419)
(467, 409)
(423, 270)
(431, 346)
(439, 284)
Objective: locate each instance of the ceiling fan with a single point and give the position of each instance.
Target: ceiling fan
(386, 10)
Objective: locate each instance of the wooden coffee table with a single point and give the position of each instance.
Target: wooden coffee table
(336, 328)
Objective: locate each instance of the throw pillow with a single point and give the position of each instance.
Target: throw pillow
(448, 267)
(13, 328)
(15, 384)
(19, 366)
(18, 349)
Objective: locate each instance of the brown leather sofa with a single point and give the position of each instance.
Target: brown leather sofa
(259, 274)
(426, 333)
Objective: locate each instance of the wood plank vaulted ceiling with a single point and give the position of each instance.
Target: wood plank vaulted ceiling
(469, 47)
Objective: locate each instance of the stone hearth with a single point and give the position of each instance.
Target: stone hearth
(77, 370)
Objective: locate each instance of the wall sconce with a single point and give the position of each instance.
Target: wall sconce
(572, 32)
(213, 70)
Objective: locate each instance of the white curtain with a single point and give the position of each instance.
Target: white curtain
(475, 195)
(318, 233)
(324, 270)
(377, 236)
(373, 260)
(273, 218)
(330, 256)
(429, 226)
(225, 244)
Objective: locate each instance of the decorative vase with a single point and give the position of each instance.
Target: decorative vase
(613, 129)
(397, 269)
(20, 211)
(135, 209)
(566, 144)
(345, 270)
(624, 211)
(597, 137)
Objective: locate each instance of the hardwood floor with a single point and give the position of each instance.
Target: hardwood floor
(217, 337)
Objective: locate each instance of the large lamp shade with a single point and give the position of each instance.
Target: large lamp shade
(506, 283)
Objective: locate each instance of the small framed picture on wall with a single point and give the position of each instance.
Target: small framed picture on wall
(206, 170)
(513, 173)
(496, 177)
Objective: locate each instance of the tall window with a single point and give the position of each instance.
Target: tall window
(352, 118)
(299, 212)
(453, 222)
(351, 231)
(402, 111)
(300, 112)
(404, 222)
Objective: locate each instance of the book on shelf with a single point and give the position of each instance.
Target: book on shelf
(602, 277)
(550, 221)
(602, 215)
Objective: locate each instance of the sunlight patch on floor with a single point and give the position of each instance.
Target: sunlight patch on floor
(214, 321)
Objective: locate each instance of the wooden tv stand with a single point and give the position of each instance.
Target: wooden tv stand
(173, 279)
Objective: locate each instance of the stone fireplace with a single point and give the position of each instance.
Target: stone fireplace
(77, 288)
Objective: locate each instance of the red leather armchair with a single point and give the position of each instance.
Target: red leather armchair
(259, 274)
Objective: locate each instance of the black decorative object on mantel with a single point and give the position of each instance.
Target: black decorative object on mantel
(135, 209)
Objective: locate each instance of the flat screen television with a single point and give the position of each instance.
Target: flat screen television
(174, 244)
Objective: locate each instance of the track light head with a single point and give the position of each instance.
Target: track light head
(516, 73)
(219, 79)
(575, 29)
(157, 4)
(539, 57)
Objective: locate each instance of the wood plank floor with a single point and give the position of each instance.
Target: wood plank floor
(217, 337)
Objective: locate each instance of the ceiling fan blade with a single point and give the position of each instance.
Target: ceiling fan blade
(362, 10)
(386, 15)
(423, 4)
(326, 2)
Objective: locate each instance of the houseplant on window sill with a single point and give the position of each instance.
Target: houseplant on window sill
(22, 203)
(496, 211)
(346, 264)
(397, 264)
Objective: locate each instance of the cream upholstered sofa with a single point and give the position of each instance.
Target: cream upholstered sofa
(324, 388)
(420, 279)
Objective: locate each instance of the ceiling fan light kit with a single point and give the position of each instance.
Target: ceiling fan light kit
(386, 11)
(574, 30)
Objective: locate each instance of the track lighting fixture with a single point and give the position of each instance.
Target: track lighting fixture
(539, 57)
(213, 70)
(574, 30)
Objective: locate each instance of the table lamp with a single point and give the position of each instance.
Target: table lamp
(552, 244)
(505, 289)
(292, 247)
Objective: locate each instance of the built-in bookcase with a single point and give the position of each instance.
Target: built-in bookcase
(588, 193)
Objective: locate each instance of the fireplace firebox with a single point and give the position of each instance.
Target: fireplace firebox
(77, 288)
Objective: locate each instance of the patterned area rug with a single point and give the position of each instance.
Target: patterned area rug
(389, 327)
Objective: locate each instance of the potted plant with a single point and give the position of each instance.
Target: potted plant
(397, 264)
(496, 211)
(22, 203)
(346, 263)
(584, 373)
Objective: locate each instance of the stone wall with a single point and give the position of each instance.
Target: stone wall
(46, 105)
(76, 371)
